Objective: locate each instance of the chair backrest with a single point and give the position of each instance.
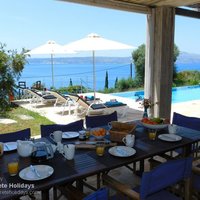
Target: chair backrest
(14, 136)
(165, 175)
(100, 120)
(79, 100)
(58, 96)
(185, 121)
(74, 126)
(101, 194)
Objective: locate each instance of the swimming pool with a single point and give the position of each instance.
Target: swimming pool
(179, 94)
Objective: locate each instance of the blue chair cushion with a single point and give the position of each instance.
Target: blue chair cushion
(74, 126)
(100, 120)
(14, 136)
(185, 121)
(114, 104)
(101, 194)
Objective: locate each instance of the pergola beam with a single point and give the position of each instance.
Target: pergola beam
(114, 4)
(187, 13)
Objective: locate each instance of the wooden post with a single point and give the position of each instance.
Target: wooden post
(159, 59)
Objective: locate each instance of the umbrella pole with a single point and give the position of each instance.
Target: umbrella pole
(52, 70)
(94, 75)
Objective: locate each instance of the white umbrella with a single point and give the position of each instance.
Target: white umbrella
(93, 42)
(52, 48)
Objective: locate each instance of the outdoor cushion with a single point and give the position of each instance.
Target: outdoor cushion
(101, 120)
(74, 126)
(14, 136)
(114, 103)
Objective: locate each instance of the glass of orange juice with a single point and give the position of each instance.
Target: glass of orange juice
(152, 134)
(100, 149)
(13, 167)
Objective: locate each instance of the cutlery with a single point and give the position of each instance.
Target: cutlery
(7, 147)
(168, 137)
(94, 142)
(33, 169)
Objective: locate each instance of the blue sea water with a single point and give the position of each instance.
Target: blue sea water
(178, 94)
(82, 73)
(79, 73)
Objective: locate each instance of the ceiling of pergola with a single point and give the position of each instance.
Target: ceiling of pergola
(142, 6)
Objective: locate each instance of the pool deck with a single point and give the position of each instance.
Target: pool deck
(191, 108)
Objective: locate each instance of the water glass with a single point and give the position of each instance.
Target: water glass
(13, 167)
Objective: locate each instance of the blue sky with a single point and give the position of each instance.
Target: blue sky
(30, 23)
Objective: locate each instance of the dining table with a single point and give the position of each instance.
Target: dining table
(87, 163)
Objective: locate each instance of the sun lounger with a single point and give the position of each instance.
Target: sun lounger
(99, 108)
(64, 101)
(37, 98)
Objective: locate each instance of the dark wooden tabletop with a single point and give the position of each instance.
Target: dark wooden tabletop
(86, 162)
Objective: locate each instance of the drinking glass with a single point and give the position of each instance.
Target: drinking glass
(13, 167)
(100, 149)
(152, 134)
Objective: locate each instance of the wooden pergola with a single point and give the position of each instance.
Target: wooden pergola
(159, 42)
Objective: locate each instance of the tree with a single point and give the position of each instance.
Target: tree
(176, 54)
(106, 80)
(139, 61)
(11, 66)
(70, 82)
(116, 82)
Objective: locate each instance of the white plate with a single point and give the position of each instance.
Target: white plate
(69, 135)
(170, 137)
(122, 151)
(9, 146)
(155, 126)
(43, 170)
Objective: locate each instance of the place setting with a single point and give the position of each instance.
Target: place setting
(36, 172)
(171, 135)
(124, 151)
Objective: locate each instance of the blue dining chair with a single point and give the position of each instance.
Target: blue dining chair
(74, 126)
(14, 136)
(100, 120)
(155, 182)
(101, 194)
(196, 181)
(185, 121)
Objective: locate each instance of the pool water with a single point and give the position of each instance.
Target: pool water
(179, 94)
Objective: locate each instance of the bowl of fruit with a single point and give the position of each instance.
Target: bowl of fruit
(155, 123)
(98, 133)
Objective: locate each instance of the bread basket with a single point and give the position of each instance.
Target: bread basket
(120, 130)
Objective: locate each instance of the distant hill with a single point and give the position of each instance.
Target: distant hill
(184, 58)
(78, 60)
(188, 58)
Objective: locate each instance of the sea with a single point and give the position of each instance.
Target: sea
(80, 71)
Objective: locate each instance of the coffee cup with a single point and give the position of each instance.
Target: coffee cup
(56, 136)
(129, 140)
(172, 128)
(69, 151)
